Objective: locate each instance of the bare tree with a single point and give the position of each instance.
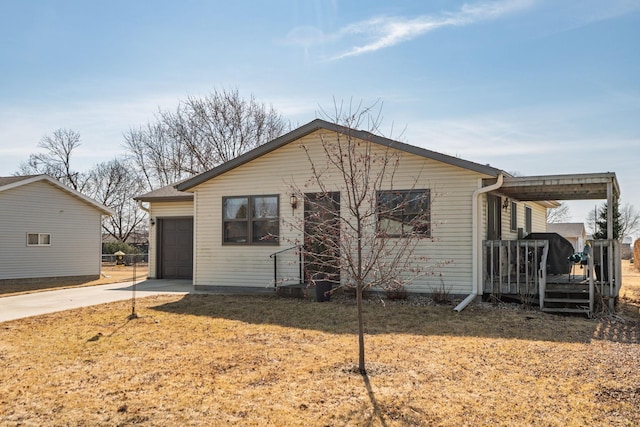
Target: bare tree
(56, 159)
(559, 214)
(115, 184)
(360, 231)
(201, 134)
(158, 158)
(630, 219)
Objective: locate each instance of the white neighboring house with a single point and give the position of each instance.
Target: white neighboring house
(48, 231)
(574, 232)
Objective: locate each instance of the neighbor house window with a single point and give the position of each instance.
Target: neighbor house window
(250, 220)
(514, 216)
(38, 239)
(527, 220)
(404, 212)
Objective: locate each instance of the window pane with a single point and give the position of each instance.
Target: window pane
(236, 232)
(401, 212)
(416, 202)
(265, 231)
(32, 239)
(391, 227)
(265, 207)
(419, 224)
(389, 200)
(45, 239)
(236, 208)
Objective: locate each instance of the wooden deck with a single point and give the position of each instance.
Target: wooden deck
(518, 269)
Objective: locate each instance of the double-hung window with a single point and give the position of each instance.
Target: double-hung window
(404, 212)
(250, 220)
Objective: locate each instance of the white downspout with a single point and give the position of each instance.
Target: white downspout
(476, 243)
(142, 207)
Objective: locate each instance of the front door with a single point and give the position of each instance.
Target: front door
(321, 234)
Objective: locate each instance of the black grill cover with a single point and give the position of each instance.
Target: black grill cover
(560, 249)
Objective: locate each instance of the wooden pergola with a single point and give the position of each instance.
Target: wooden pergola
(588, 186)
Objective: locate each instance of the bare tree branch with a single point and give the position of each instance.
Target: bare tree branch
(359, 230)
(56, 159)
(201, 134)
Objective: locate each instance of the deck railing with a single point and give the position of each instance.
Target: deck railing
(515, 267)
(606, 268)
(518, 268)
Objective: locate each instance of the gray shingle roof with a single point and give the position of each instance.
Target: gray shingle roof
(168, 193)
(319, 124)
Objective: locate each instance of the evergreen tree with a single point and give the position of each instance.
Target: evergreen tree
(601, 222)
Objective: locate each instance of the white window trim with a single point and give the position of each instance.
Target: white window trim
(40, 239)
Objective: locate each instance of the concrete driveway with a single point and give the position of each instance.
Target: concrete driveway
(34, 304)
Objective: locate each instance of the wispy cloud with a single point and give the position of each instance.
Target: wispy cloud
(385, 32)
(554, 137)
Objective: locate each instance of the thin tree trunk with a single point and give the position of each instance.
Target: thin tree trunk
(361, 367)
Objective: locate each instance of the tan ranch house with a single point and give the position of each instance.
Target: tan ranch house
(479, 215)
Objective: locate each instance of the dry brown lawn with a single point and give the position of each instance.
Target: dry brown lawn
(254, 360)
(112, 274)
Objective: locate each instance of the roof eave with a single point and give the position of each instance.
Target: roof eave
(319, 124)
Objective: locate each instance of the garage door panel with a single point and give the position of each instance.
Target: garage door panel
(176, 248)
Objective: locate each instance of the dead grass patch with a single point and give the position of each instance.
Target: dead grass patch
(250, 360)
(112, 274)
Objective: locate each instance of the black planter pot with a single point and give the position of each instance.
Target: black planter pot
(323, 288)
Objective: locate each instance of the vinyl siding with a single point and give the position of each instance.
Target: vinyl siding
(159, 210)
(40, 207)
(273, 173)
(538, 219)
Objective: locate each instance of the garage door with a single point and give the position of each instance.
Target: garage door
(176, 248)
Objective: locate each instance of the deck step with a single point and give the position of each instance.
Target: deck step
(567, 288)
(568, 300)
(565, 310)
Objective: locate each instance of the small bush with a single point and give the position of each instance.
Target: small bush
(113, 247)
(636, 254)
(397, 294)
(441, 295)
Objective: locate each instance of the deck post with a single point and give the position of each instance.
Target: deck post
(592, 288)
(542, 283)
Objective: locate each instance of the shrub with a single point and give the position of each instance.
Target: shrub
(636, 254)
(441, 295)
(113, 247)
(397, 294)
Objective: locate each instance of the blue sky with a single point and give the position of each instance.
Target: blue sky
(529, 86)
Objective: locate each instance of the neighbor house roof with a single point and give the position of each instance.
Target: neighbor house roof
(567, 229)
(319, 124)
(7, 183)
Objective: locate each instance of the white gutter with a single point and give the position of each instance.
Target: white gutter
(476, 243)
(142, 207)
